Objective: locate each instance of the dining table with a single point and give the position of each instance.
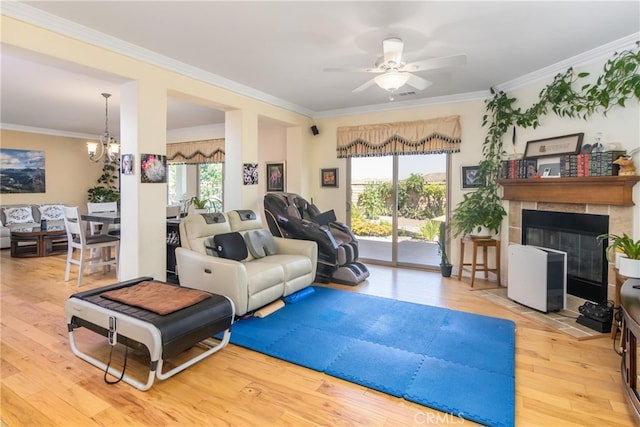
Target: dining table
(105, 218)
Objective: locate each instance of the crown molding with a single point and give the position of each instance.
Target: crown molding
(46, 131)
(72, 29)
(603, 52)
(46, 20)
(395, 106)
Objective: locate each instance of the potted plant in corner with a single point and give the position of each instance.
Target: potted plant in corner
(628, 252)
(445, 264)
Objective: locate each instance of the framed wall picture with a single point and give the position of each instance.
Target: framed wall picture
(556, 146)
(469, 174)
(275, 176)
(329, 177)
(153, 168)
(22, 171)
(250, 173)
(126, 164)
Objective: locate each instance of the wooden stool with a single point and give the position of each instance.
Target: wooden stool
(478, 243)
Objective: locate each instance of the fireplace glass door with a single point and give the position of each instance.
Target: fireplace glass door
(575, 234)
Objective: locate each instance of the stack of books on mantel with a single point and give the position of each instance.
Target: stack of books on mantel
(518, 169)
(590, 164)
(573, 165)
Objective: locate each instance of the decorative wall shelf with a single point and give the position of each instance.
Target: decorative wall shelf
(595, 190)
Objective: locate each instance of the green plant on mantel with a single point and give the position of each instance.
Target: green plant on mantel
(565, 97)
(106, 189)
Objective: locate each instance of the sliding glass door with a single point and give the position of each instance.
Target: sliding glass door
(397, 205)
(372, 206)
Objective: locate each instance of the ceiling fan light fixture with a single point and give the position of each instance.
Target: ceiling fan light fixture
(391, 80)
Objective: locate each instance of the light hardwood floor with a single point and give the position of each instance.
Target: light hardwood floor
(559, 381)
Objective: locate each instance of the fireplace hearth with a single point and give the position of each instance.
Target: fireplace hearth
(575, 234)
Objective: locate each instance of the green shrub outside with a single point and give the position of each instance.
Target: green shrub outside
(363, 227)
(417, 199)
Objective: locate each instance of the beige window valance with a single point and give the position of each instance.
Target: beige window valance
(194, 152)
(441, 135)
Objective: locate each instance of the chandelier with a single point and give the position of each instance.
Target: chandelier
(107, 146)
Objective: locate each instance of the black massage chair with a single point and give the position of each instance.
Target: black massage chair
(290, 216)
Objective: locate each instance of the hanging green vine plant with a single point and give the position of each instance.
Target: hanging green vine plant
(564, 96)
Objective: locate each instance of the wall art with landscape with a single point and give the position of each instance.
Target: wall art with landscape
(22, 171)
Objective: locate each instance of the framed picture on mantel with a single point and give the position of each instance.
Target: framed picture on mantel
(556, 146)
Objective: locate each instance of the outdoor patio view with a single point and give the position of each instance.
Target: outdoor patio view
(209, 185)
(421, 190)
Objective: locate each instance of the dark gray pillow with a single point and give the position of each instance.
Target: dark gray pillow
(260, 243)
(230, 246)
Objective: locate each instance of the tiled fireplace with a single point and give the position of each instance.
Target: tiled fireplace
(620, 221)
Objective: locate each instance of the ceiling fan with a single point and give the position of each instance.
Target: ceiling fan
(394, 73)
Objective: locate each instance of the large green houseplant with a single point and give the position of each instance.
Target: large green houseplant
(619, 82)
(106, 188)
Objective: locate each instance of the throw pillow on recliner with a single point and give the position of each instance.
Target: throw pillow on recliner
(260, 243)
(230, 246)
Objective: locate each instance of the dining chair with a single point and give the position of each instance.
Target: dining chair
(95, 207)
(93, 250)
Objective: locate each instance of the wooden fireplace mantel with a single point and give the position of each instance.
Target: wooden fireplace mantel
(596, 190)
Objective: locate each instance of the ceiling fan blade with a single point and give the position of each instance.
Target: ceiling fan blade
(418, 82)
(392, 49)
(364, 86)
(352, 70)
(435, 63)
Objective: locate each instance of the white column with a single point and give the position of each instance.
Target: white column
(298, 162)
(241, 146)
(143, 130)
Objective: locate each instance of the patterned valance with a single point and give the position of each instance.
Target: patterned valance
(441, 135)
(195, 152)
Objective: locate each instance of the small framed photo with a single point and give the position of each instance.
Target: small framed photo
(153, 168)
(250, 173)
(556, 146)
(469, 175)
(126, 164)
(275, 176)
(329, 177)
(549, 170)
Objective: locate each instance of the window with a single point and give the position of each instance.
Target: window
(204, 180)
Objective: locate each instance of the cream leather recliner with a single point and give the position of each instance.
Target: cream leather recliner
(213, 258)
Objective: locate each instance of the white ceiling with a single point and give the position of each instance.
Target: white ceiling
(276, 51)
